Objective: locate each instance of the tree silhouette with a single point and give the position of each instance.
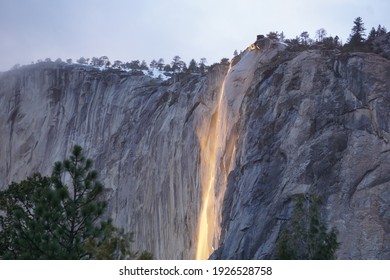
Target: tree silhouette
(356, 38)
(306, 237)
(192, 66)
(304, 37)
(321, 33)
(60, 217)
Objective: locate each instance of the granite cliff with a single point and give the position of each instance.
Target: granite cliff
(139, 131)
(306, 122)
(314, 123)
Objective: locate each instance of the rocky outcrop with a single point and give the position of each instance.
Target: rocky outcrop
(308, 122)
(139, 131)
(314, 123)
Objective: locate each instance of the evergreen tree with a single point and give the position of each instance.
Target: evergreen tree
(331, 43)
(25, 230)
(59, 217)
(202, 65)
(117, 64)
(114, 245)
(371, 35)
(104, 61)
(273, 35)
(304, 37)
(153, 64)
(225, 61)
(144, 65)
(381, 30)
(193, 66)
(167, 68)
(294, 44)
(95, 61)
(134, 65)
(336, 41)
(80, 206)
(160, 64)
(306, 237)
(82, 60)
(183, 67)
(177, 64)
(356, 39)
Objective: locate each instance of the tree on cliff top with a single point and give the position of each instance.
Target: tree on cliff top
(356, 38)
(306, 237)
(46, 219)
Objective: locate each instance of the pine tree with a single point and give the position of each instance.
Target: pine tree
(372, 35)
(104, 61)
(356, 39)
(134, 65)
(59, 217)
(177, 64)
(26, 228)
(304, 37)
(202, 65)
(306, 237)
(153, 64)
(193, 66)
(80, 206)
(294, 44)
(95, 61)
(225, 61)
(183, 67)
(167, 68)
(336, 41)
(81, 60)
(381, 30)
(117, 64)
(144, 65)
(160, 64)
(273, 35)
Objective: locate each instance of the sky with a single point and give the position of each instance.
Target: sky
(151, 29)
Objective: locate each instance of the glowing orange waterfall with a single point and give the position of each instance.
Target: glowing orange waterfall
(217, 138)
(212, 140)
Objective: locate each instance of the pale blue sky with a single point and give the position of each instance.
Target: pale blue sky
(152, 29)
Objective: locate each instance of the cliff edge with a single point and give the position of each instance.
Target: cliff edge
(308, 122)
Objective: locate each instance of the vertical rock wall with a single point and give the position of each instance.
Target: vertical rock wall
(312, 122)
(309, 122)
(139, 131)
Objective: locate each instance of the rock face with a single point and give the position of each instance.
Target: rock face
(139, 131)
(218, 136)
(314, 123)
(310, 122)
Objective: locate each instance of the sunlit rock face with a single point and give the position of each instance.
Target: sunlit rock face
(307, 122)
(218, 138)
(140, 132)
